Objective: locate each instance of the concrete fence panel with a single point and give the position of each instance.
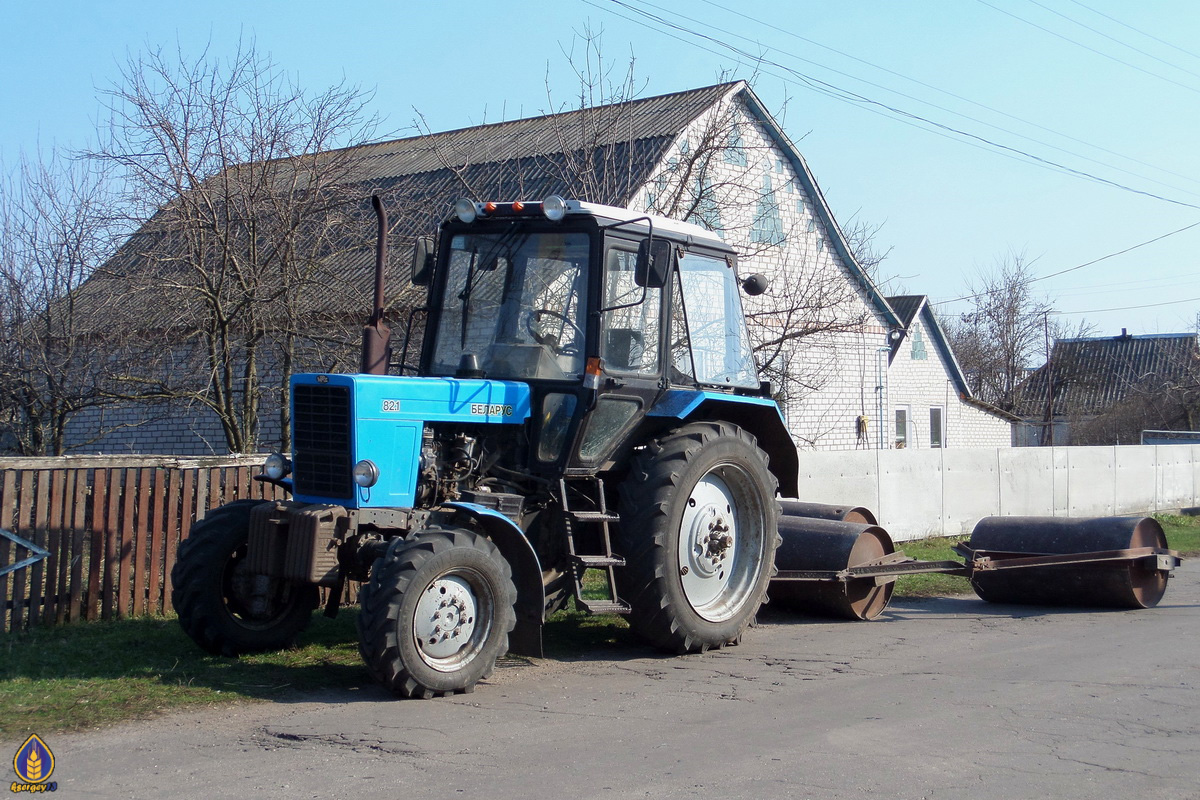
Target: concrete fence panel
(1090, 481)
(910, 491)
(1135, 480)
(840, 477)
(1026, 482)
(918, 493)
(971, 489)
(1176, 475)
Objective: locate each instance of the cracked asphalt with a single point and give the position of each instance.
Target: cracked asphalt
(939, 699)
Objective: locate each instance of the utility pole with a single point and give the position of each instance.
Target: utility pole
(1048, 434)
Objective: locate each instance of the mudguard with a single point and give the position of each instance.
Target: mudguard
(758, 415)
(526, 637)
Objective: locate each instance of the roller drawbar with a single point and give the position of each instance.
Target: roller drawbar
(837, 561)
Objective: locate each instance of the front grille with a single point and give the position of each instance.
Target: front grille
(321, 438)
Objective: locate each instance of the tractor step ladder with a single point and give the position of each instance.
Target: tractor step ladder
(606, 560)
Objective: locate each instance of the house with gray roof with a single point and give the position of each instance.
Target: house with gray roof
(850, 367)
(1107, 390)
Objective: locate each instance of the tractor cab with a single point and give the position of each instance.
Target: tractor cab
(601, 311)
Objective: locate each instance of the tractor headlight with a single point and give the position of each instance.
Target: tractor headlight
(465, 210)
(366, 474)
(276, 466)
(554, 207)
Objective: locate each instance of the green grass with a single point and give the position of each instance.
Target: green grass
(93, 674)
(933, 585)
(1183, 533)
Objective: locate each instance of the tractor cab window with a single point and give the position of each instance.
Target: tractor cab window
(629, 332)
(708, 330)
(515, 300)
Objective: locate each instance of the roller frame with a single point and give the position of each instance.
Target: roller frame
(989, 560)
(897, 565)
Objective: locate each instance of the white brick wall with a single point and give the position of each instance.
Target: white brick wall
(918, 384)
(841, 373)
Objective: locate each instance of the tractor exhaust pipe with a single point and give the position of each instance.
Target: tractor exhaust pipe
(376, 342)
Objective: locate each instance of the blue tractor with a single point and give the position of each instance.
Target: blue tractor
(586, 399)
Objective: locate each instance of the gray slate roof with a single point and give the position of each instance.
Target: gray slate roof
(1092, 375)
(419, 178)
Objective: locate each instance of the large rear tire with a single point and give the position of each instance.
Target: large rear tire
(436, 613)
(224, 608)
(699, 528)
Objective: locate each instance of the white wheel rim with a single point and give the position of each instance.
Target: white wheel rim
(719, 545)
(452, 620)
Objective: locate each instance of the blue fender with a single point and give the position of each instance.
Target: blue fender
(526, 637)
(758, 415)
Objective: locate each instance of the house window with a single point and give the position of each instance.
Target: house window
(768, 223)
(936, 423)
(706, 213)
(918, 345)
(901, 427)
(735, 153)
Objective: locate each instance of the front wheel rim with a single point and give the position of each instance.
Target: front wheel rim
(453, 619)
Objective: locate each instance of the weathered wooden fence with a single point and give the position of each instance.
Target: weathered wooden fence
(111, 525)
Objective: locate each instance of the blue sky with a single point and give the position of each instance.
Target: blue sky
(1101, 87)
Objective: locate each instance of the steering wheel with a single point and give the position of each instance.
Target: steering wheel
(532, 323)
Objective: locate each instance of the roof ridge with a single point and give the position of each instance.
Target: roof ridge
(725, 87)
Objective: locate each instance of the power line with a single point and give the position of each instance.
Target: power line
(1114, 39)
(845, 95)
(1085, 264)
(1090, 49)
(1114, 255)
(959, 97)
(1136, 30)
(1133, 308)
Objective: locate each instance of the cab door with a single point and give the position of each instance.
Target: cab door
(631, 344)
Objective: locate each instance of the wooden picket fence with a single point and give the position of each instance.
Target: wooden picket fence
(112, 525)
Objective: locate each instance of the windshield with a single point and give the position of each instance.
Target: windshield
(515, 300)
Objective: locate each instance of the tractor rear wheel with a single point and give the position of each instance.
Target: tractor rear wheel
(699, 528)
(436, 613)
(225, 608)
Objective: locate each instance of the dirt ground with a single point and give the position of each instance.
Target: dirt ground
(940, 699)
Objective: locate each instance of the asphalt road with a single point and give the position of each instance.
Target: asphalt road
(946, 698)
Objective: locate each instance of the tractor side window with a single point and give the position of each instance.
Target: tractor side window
(629, 332)
(608, 419)
(720, 346)
(557, 410)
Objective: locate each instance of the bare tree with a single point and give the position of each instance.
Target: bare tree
(1007, 328)
(234, 172)
(56, 227)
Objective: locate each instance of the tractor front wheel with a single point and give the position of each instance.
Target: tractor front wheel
(699, 528)
(436, 613)
(224, 607)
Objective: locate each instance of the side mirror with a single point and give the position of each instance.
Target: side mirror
(754, 284)
(422, 261)
(653, 266)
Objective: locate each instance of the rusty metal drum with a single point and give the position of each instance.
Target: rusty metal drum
(1132, 581)
(810, 544)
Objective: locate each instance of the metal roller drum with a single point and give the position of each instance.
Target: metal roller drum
(1131, 582)
(798, 508)
(822, 545)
